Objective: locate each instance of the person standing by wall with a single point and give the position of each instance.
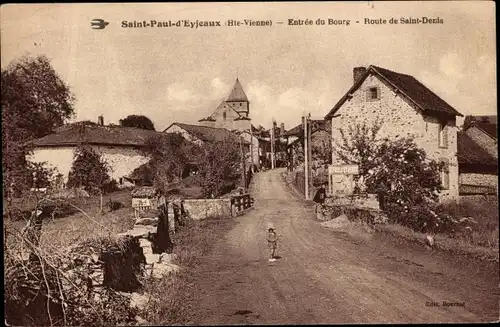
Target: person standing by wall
(320, 198)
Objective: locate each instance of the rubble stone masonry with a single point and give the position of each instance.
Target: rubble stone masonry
(400, 118)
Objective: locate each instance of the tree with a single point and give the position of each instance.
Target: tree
(358, 145)
(34, 100)
(169, 155)
(138, 121)
(220, 167)
(399, 172)
(89, 171)
(40, 175)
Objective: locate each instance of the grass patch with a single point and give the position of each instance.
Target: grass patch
(86, 223)
(453, 245)
(485, 212)
(171, 299)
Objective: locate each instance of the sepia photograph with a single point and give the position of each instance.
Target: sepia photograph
(249, 163)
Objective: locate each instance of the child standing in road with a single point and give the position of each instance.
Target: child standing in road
(272, 241)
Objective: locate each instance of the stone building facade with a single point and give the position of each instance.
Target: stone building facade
(405, 108)
(120, 147)
(233, 114)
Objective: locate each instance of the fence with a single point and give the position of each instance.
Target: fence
(241, 203)
(300, 181)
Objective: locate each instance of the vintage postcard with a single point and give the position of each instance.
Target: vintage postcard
(250, 163)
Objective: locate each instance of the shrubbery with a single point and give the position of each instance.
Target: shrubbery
(89, 171)
(406, 181)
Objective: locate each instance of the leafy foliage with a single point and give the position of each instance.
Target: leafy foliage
(406, 181)
(138, 121)
(39, 174)
(89, 171)
(34, 100)
(170, 154)
(358, 145)
(219, 167)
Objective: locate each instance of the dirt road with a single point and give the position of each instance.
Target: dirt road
(328, 277)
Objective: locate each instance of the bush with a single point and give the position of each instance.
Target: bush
(220, 168)
(89, 171)
(405, 180)
(54, 292)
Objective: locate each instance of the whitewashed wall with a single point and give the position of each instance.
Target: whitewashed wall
(121, 160)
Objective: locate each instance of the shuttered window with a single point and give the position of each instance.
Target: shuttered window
(445, 174)
(443, 135)
(372, 94)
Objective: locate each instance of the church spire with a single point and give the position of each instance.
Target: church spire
(237, 94)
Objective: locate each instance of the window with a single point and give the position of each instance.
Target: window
(224, 116)
(443, 135)
(445, 175)
(372, 94)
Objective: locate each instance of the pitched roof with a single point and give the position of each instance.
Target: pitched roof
(78, 133)
(317, 125)
(469, 152)
(488, 124)
(237, 94)
(409, 86)
(209, 134)
(488, 128)
(492, 119)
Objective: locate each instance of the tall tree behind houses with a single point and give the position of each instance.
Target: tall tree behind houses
(138, 121)
(34, 100)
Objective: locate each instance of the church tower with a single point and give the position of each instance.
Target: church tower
(238, 100)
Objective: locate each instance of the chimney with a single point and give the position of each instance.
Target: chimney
(282, 128)
(100, 120)
(357, 72)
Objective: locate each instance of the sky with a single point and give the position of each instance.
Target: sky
(182, 74)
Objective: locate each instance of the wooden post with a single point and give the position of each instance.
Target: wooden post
(272, 145)
(306, 159)
(101, 200)
(162, 239)
(309, 154)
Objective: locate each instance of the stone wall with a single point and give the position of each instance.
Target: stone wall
(400, 118)
(479, 179)
(205, 208)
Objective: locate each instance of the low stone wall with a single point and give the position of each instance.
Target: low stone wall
(356, 208)
(203, 208)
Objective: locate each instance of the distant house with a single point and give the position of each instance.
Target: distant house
(201, 134)
(321, 134)
(120, 147)
(484, 131)
(405, 107)
(477, 167)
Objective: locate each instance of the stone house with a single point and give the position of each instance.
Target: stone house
(405, 107)
(483, 130)
(321, 134)
(201, 134)
(120, 147)
(478, 153)
(478, 169)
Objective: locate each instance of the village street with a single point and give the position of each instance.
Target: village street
(325, 276)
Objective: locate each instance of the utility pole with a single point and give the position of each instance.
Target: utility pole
(243, 175)
(306, 161)
(251, 149)
(272, 144)
(309, 154)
